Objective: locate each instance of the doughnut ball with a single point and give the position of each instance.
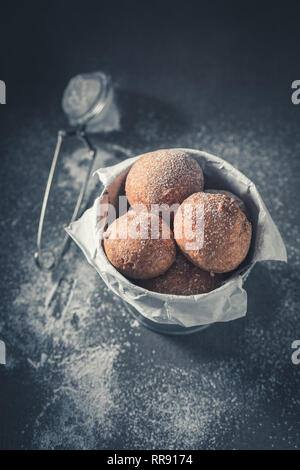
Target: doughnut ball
(183, 278)
(241, 203)
(140, 245)
(212, 231)
(163, 177)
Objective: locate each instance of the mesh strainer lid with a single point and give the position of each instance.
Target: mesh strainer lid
(85, 97)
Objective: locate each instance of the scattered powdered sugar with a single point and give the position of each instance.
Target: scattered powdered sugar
(64, 327)
(102, 381)
(83, 356)
(81, 404)
(175, 408)
(75, 166)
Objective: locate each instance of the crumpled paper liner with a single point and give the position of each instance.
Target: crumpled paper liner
(226, 303)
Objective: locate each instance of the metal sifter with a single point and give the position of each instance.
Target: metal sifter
(88, 102)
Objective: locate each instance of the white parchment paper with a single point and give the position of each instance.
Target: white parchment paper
(226, 303)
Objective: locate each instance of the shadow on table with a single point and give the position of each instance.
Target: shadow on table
(147, 122)
(225, 339)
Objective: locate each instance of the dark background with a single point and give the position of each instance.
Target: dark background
(210, 75)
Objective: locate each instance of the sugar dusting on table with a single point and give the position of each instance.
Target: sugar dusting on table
(104, 380)
(83, 355)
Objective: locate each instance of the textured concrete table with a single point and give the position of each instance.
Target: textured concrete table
(81, 373)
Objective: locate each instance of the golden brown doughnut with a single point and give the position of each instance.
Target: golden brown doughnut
(163, 177)
(183, 278)
(240, 202)
(212, 231)
(140, 245)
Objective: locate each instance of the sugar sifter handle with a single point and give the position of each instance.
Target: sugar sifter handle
(46, 259)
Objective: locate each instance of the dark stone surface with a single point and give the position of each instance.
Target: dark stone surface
(80, 373)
